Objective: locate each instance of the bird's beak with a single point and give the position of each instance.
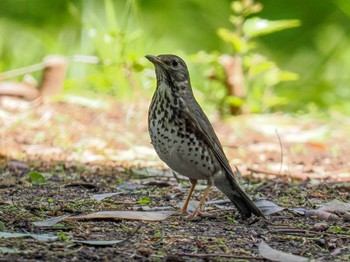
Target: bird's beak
(155, 60)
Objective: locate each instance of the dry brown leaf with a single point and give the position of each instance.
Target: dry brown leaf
(50, 222)
(130, 215)
(324, 215)
(335, 206)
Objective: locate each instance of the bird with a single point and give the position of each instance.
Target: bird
(185, 140)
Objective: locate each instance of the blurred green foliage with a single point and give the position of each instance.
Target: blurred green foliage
(120, 33)
(248, 75)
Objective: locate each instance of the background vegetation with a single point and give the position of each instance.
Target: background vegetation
(120, 33)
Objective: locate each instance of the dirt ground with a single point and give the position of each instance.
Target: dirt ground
(84, 150)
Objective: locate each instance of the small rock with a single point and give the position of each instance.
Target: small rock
(322, 226)
(144, 251)
(320, 242)
(16, 165)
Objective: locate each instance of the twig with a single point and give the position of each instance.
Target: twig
(218, 255)
(264, 171)
(130, 236)
(306, 233)
(279, 140)
(295, 232)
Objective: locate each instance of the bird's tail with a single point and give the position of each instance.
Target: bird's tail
(228, 185)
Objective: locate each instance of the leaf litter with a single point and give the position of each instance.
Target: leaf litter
(103, 224)
(85, 174)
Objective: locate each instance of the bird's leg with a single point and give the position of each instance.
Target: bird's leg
(202, 201)
(193, 185)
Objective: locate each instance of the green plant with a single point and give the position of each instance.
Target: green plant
(37, 178)
(106, 34)
(232, 220)
(144, 201)
(62, 236)
(2, 226)
(245, 76)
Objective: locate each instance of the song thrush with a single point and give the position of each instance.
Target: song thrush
(185, 140)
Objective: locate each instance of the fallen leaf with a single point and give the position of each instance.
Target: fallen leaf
(50, 222)
(268, 207)
(107, 242)
(39, 237)
(6, 250)
(324, 215)
(100, 197)
(127, 186)
(130, 215)
(275, 255)
(99, 242)
(298, 210)
(335, 206)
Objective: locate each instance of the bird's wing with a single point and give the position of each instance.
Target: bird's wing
(202, 126)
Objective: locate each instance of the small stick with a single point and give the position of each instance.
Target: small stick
(279, 140)
(267, 172)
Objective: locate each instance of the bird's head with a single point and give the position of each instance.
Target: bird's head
(171, 69)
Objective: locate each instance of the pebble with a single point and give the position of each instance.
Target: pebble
(322, 226)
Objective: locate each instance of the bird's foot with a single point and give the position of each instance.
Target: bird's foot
(195, 214)
(184, 211)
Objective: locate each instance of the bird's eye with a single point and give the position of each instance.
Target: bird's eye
(174, 63)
